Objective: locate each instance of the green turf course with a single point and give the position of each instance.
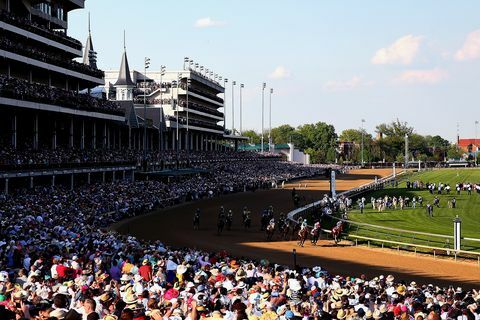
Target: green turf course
(468, 209)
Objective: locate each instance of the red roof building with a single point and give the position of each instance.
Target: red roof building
(469, 145)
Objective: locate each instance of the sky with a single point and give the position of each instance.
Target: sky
(332, 61)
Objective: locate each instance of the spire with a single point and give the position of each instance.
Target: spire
(124, 74)
(89, 56)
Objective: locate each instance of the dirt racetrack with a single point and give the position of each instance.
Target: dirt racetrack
(173, 226)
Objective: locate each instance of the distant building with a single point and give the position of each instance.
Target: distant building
(287, 150)
(470, 146)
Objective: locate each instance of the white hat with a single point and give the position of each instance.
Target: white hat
(181, 269)
(295, 285)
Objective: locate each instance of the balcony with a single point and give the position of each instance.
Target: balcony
(30, 26)
(12, 88)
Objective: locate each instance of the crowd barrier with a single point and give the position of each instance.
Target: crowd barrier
(406, 238)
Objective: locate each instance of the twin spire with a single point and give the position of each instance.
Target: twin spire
(124, 78)
(89, 55)
(90, 59)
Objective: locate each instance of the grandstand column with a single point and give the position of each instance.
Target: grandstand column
(104, 137)
(129, 137)
(82, 138)
(216, 143)
(53, 180)
(201, 142)
(119, 138)
(180, 142)
(103, 176)
(71, 181)
(71, 133)
(88, 178)
(6, 186)
(94, 135)
(14, 132)
(173, 141)
(196, 142)
(123, 175)
(31, 182)
(35, 132)
(54, 135)
(113, 175)
(133, 175)
(107, 130)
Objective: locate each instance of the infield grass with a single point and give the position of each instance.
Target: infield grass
(468, 209)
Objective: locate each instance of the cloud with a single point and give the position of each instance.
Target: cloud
(471, 47)
(342, 85)
(432, 76)
(279, 72)
(402, 51)
(208, 23)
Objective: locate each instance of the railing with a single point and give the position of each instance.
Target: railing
(405, 238)
(30, 26)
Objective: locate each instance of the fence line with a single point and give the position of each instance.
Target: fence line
(367, 187)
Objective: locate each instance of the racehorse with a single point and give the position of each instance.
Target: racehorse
(196, 221)
(337, 231)
(270, 231)
(302, 236)
(286, 230)
(228, 222)
(315, 233)
(220, 225)
(247, 222)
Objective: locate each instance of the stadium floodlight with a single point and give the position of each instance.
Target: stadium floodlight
(225, 81)
(270, 148)
(185, 60)
(363, 121)
(146, 66)
(241, 115)
(264, 85)
(234, 83)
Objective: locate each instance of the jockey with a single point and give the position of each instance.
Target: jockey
(339, 223)
(230, 213)
(304, 224)
(272, 221)
(316, 226)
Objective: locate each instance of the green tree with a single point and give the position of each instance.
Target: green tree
(253, 137)
(319, 140)
(453, 152)
(283, 134)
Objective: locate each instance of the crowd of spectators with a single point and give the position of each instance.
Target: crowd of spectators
(57, 261)
(30, 25)
(24, 90)
(43, 157)
(19, 46)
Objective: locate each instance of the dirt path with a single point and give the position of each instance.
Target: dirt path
(174, 227)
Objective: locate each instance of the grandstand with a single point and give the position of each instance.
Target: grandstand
(73, 163)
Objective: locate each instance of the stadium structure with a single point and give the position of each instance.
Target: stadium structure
(48, 105)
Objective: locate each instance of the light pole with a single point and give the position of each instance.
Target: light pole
(187, 143)
(406, 151)
(234, 83)
(160, 127)
(270, 147)
(264, 85)
(241, 88)
(178, 104)
(476, 142)
(146, 66)
(363, 163)
(225, 81)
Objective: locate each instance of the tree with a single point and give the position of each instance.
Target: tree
(396, 128)
(253, 137)
(393, 134)
(319, 140)
(355, 136)
(453, 152)
(282, 134)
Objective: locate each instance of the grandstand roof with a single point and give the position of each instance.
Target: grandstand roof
(467, 142)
